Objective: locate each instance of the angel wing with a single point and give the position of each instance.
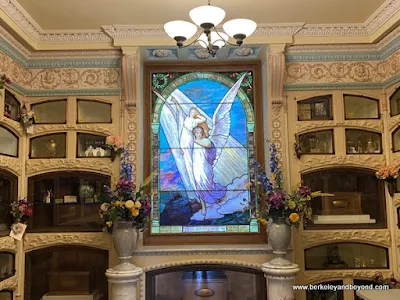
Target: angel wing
(221, 122)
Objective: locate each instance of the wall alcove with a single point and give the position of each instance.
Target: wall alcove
(63, 270)
(214, 281)
(358, 199)
(8, 192)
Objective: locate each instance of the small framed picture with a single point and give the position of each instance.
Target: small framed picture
(70, 199)
(89, 200)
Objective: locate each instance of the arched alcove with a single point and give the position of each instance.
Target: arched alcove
(224, 281)
(358, 199)
(66, 270)
(8, 142)
(8, 192)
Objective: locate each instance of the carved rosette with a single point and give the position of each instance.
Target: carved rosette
(49, 165)
(9, 284)
(132, 137)
(311, 162)
(8, 244)
(375, 125)
(100, 240)
(312, 277)
(376, 237)
(12, 164)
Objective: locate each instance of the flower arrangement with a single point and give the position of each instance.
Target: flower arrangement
(387, 173)
(125, 202)
(27, 119)
(274, 202)
(391, 282)
(21, 208)
(115, 145)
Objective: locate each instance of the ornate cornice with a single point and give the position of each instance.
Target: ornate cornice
(37, 166)
(12, 164)
(192, 252)
(375, 237)
(9, 284)
(314, 162)
(38, 35)
(311, 277)
(374, 125)
(33, 241)
(8, 244)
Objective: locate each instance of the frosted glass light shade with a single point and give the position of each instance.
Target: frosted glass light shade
(207, 14)
(240, 26)
(180, 28)
(216, 40)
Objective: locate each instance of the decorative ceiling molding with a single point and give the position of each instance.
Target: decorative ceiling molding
(22, 19)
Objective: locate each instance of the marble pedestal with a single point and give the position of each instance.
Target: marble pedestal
(280, 274)
(124, 281)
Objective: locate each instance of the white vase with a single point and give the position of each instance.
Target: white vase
(124, 236)
(279, 237)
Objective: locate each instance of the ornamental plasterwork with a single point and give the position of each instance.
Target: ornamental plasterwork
(11, 164)
(375, 125)
(380, 16)
(105, 129)
(376, 237)
(132, 136)
(309, 162)
(398, 242)
(35, 241)
(9, 284)
(396, 200)
(162, 53)
(312, 277)
(94, 36)
(36, 166)
(16, 126)
(59, 78)
(394, 122)
(142, 284)
(395, 159)
(8, 244)
(343, 72)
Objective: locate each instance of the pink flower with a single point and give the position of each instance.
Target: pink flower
(110, 140)
(119, 143)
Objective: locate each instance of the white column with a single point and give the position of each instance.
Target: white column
(124, 283)
(280, 280)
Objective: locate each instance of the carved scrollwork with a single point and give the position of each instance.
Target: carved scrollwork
(395, 159)
(9, 283)
(38, 129)
(14, 125)
(325, 161)
(8, 244)
(396, 199)
(377, 237)
(311, 277)
(375, 125)
(394, 122)
(48, 165)
(11, 164)
(105, 129)
(92, 239)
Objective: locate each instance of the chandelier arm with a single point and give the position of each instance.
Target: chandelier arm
(222, 39)
(193, 42)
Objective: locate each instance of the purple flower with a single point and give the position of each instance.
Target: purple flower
(304, 191)
(276, 199)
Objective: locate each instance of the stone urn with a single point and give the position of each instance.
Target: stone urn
(279, 237)
(124, 237)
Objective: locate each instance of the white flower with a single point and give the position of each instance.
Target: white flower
(104, 207)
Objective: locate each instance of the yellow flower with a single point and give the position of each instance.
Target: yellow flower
(258, 182)
(292, 204)
(248, 185)
(262, 221)
(273, 175)
(138, 204)
(129, 204)
(135, 212)
(308, 197)
(294, 218)
(109, 223)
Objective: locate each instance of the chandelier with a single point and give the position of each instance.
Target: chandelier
(208, 17)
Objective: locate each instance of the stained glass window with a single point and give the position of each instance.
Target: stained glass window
(202, 135)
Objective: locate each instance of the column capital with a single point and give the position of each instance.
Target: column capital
(130, 50)
(277, 48)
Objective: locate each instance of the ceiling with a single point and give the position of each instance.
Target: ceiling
(92, 14)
